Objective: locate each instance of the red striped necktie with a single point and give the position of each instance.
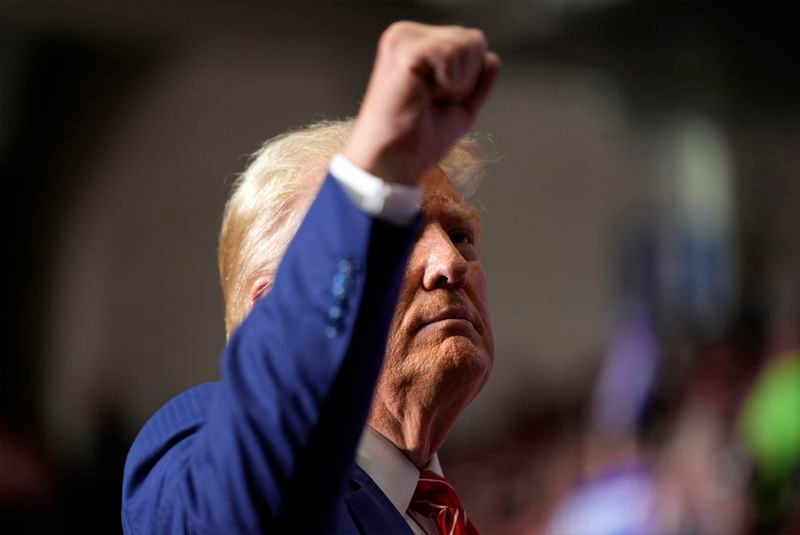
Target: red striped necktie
(435, 498)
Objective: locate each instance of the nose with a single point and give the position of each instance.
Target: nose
(445, 266)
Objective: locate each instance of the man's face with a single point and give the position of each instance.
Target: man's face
(440, 349)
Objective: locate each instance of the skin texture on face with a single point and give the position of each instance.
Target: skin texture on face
(440, 349)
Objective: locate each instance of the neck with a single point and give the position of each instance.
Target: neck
(417, 434)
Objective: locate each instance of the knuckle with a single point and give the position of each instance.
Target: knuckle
(477, 34)
(396, 34)
(477, 40)
(400, 45)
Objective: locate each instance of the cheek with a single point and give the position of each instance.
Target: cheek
(410, 287)
(480, 299)
(479, 292)
(397, 331)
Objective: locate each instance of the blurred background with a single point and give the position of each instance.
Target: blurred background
(641, 242)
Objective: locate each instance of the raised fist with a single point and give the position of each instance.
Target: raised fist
(427, 85)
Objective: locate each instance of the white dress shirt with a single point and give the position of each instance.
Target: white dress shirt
(395, 203)
(395, 475)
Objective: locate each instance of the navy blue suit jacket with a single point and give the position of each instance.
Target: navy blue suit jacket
(270, 448)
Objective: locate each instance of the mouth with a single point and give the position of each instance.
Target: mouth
(450, 316)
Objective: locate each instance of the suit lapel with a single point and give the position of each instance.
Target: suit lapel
(371, 510)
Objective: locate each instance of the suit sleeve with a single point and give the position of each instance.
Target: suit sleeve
(270, 447)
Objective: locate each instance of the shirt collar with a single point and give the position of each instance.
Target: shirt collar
(390, 469)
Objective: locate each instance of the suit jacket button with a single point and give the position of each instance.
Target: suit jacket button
(338, 290)
(341, 284)
(335, 312)
(331, 331)
(345, 266)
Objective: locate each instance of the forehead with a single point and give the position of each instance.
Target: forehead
(440, 199)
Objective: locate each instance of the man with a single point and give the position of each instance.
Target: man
(271, 447)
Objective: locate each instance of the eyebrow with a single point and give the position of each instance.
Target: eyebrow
(457, 209)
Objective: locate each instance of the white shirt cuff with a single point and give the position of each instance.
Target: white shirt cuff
(395, 203)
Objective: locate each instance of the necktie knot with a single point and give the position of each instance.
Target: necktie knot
(435, 498)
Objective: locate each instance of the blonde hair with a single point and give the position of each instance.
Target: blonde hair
(271, 197)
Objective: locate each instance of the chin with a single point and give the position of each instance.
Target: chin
(462, 363)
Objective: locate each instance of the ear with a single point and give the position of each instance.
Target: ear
(259, 288)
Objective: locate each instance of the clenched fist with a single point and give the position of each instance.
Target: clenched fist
(426, 88)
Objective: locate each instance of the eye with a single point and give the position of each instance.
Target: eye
(461, 237)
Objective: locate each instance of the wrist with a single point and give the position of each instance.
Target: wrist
(383, 162)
